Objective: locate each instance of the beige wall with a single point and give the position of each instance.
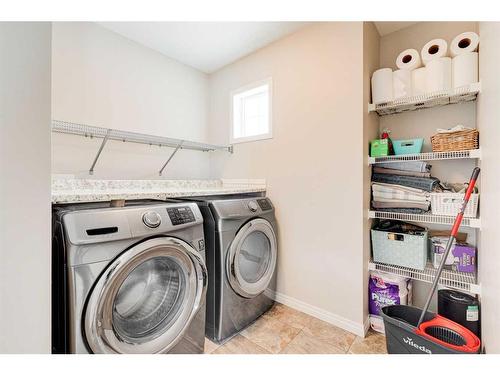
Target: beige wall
(313, 164)
(101, 78)
(488, 124)
(25, 187)
(371, 51)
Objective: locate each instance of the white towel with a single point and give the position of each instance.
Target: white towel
(389, 188)
(400, 195)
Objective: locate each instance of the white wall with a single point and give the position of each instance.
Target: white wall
(313, 165)
(25, 187)
(489, 130)
(101, 78)
(371, 50)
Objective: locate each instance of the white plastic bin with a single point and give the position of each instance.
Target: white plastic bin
(448, 204)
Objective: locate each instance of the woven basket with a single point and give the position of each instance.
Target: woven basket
(457, 141)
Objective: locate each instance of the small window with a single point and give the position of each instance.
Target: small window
(251, 112)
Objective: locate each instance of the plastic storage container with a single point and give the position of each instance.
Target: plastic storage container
(379, 147)
(406, 250)
(448, 204)
(461, 308)
(408, 146)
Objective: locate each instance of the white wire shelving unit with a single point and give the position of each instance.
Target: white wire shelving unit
(466, 282)
(125, 136)
(435, 99)
(428, 156)
(424, 218)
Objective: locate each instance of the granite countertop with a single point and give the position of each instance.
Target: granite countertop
(73, 190)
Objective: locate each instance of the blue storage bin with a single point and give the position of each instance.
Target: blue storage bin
(406, 250)
(408, 146)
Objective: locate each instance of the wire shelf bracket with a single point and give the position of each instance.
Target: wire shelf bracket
(462, 281)
(132, 137)
(104, 140)
(170, 157)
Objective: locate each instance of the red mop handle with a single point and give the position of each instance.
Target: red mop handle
(470, 189)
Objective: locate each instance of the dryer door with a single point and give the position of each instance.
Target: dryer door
(252, 258)
(146, 298)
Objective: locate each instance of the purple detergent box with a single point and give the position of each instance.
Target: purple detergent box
(462, 257)
(385, 290)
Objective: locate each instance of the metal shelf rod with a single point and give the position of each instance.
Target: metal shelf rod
(104, 140)
(170, 157)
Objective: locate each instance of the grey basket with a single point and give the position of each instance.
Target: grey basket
(406, 250)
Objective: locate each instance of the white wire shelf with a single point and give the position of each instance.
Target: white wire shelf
(428, 156)
(126, 136)
(462, 281)
(424, 218)
(434, 99)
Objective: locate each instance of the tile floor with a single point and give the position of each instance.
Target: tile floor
(287, 331)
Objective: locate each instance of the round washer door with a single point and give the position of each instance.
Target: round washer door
(252, 258)
(146, 298)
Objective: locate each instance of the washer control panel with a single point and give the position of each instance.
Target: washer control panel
(181, 215)
(264, 204)
(151, 219)
(252, 206)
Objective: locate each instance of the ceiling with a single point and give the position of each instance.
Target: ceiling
(206, 46)
(385, 28)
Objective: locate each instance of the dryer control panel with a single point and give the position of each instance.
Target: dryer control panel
(264, 204)
(180, 215)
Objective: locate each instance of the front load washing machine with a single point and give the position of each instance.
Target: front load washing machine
(128, 280)
(242, 251)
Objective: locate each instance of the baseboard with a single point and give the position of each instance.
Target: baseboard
(367, 325)
(336, 320)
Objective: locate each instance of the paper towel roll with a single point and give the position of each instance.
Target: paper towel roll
(409, 59)
(463, 43)
(382, 86)
(401, 83)
(465, 69)
(438, 75)
(434, 49)
(418, 81)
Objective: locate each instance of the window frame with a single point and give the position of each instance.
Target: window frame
(269, 134)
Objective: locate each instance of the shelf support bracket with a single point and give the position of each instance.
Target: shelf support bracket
(104, 140)
(170, 157)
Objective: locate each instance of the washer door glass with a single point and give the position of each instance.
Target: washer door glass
(255, 256)
(252, 258)
(150, 298)
(146, 298)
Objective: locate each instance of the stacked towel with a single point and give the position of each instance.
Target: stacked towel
(423, 183)
(398, 172)
(389, 196)
(411, 166)
(402, 186)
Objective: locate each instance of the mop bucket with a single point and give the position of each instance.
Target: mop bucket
(436, 335)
